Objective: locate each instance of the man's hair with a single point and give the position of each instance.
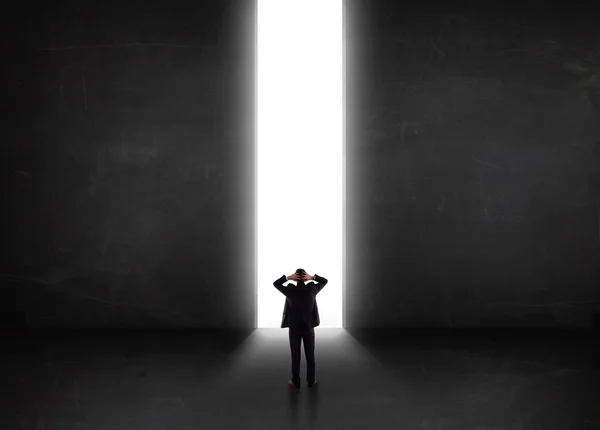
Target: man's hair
(300, 271)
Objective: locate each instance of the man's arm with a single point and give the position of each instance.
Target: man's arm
(321, 282)
(279, 285)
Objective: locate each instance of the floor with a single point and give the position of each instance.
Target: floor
(367, 380)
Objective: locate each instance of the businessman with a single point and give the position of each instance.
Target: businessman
(301, 316)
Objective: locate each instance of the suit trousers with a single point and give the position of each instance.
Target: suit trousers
(308, 338)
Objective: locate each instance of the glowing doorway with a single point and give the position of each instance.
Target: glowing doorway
(300, 147)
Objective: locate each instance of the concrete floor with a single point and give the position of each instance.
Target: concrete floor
(238, 380)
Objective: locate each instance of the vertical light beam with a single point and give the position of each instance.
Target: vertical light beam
(299, 151)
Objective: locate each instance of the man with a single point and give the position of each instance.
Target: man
(301, 315)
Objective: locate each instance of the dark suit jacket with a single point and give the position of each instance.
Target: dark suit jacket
(300, 310)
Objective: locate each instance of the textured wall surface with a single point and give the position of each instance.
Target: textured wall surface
(126, 148)
(473, 163)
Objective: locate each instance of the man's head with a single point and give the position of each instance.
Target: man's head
(300, 273)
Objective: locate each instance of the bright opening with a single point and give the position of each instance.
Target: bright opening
(299, 151)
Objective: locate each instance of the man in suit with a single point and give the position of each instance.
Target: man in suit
(301, 316)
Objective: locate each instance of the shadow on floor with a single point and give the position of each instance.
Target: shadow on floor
(238, 379)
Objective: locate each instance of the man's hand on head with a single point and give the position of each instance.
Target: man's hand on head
(304, 277)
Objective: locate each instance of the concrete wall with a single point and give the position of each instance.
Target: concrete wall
(474, 150)
(126, 167)
(472, 166)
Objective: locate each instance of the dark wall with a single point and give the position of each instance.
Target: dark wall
(473, 165)
(127, 135)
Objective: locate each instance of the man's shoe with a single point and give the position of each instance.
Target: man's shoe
(313, 383)
(291, 383)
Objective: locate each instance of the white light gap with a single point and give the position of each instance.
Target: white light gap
(299, 151)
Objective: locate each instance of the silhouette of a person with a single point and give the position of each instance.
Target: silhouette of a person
(301, 316)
